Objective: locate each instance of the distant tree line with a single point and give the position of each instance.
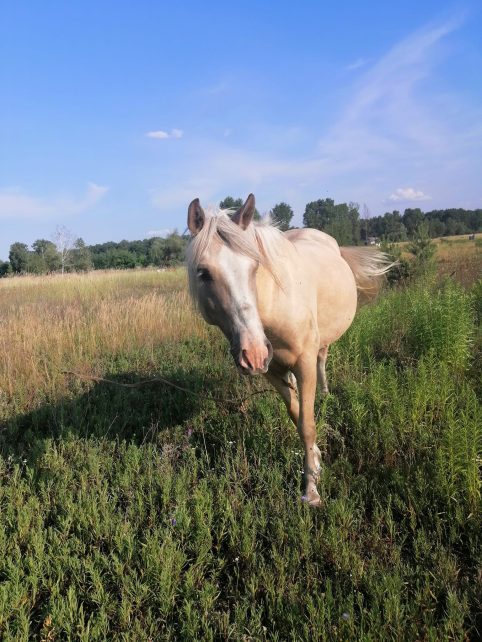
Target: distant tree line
(341, 220)
(394, 226)
(45, 257)
(160, 252)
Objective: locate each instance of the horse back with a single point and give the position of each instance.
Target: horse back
(315, 237)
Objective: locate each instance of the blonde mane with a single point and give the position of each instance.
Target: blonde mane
(261, 241)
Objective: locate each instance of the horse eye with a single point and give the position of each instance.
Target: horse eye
(204, 275)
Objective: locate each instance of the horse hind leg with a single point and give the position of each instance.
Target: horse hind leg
(321, 364)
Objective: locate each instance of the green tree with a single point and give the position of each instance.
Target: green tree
(18, 257)
(81, 256)
(401, 271)
(394, 230)
(156, 251)
(412, 218)
(5, 268)
(436, 227)
(282, 214)
(230, 203)
(100, 261)
(341, 221)
(174, 249)
(36, 263)
(48, 253)
(120, 258)
(423, 250)
(354, 216)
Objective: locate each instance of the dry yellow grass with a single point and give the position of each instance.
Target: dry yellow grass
(459, 258)
(84, 322)
(456, 257)
(81, 323)
(84, 285)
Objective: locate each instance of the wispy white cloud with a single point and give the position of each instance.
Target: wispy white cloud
(213, 168)
(404, 121)
(216, 170)
(160, 134)
(357, 64)
(395, 127)
(408, 194)
(162, 233)
(385, 116)
(16, 204)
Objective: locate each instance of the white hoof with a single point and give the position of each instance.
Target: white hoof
(313, 500)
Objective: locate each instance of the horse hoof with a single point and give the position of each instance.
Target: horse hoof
(312, 500)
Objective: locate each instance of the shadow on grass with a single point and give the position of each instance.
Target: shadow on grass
(151, 412)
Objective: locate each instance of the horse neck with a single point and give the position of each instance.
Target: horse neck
(271, 290)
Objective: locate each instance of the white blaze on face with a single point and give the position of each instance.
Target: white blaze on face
(238, 274)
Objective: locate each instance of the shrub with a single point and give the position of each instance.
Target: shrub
(410, 323)
(423, 250)
(401, 272)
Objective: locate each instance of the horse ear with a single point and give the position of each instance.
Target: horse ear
(195, 217)
(244, 215)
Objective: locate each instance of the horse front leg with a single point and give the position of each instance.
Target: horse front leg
(306, 375)
(285, 384)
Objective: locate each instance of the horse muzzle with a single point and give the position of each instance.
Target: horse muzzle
(253, 359)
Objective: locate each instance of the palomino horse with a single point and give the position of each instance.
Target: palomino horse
(280, 299)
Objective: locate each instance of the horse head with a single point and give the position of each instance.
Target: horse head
(223, 261)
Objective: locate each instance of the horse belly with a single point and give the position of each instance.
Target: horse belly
(315, 306)
(335, 295)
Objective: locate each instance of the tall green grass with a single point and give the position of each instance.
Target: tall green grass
(148, 514)
(408, 324)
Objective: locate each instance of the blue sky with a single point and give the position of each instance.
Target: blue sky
(114, 115)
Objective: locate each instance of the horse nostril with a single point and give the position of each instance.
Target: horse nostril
(245, 358)
(270, 351)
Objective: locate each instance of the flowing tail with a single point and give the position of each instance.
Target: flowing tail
(368, 266)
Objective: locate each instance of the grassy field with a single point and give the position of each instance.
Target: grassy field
(151, 514)
(458, 258)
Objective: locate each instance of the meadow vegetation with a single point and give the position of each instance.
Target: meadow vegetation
(148, 513)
